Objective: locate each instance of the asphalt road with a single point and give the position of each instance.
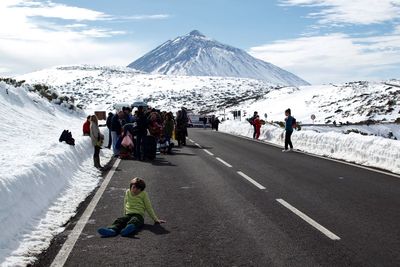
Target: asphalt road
(229, 201)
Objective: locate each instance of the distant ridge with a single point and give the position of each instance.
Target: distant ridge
(195, 54)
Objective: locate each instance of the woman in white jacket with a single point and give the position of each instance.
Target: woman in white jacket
(97, 140)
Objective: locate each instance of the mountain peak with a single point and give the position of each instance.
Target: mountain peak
(196, 33)
(196, 55)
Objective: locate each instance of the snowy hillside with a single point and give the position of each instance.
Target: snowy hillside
(99, 88)
(350, 102)
(196, 55)
(42, 181)
(95, 87)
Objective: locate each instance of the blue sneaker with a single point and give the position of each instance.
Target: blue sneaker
(106, 232)
(129, 229)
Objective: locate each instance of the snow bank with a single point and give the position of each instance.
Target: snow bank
(366, 150)
(42, 181)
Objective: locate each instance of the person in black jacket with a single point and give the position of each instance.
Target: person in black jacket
(116, 130)
(108, 123)
(142, 124)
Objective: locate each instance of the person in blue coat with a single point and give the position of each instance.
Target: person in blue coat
(288, 130)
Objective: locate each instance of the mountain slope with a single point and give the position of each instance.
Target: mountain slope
(99, 88)
(196, 55)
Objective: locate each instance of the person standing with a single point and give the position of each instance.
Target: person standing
(288, 130)
(116, 130)
(257, 126)
(216, 123)
(108, 123)
(252, 123)
(97, 140)
(142, 124)
(204, 122)
(86, 126)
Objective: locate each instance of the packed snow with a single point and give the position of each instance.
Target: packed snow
(370, 151)
(42, 181)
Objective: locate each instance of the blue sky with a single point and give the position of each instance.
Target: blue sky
(321, 41)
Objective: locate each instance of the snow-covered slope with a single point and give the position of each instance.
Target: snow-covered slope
(196, 55)
(350, 102)
(42, 181)
(96, 88)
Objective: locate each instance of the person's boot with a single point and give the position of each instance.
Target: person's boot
(97, 162)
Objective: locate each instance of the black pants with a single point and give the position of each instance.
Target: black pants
(96, 151)
(109, 139)
(288, 142)
(255, 131)
(121, 222)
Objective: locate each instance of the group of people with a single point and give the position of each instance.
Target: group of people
(213, 121)
(129, 133)
(290, 124)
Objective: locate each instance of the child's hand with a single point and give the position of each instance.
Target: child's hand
(160, 221)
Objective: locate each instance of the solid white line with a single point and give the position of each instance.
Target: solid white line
(69, 244)
(197, 145)
(190, 140)
(251, 180)
(309, 220)
(224, 162)
(208, 152)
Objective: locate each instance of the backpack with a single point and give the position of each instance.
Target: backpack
(251, 120)
(294, 123)
(66, 136)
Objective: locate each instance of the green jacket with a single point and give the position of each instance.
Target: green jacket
(138, 204)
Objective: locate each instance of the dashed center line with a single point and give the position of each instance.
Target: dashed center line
(251, 180)
(208, 152)
(309, 220)
(224, 162)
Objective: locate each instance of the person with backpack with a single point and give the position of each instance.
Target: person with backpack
(257, 126)
(252, 123)
(290, 123)
(116, 131)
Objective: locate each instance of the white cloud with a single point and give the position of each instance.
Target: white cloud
(351, 11)
(29, 41)
(147, 17)
(334, 57)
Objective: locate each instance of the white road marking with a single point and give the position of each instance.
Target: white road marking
(208, 152)
(224, 162)
(251, 180)
(190, 140)
(309, 220)
(197, 145)
(69, 244)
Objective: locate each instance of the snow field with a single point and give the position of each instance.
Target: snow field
(42, 181)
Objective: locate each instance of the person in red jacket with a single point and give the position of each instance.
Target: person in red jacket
(86, 126)
(257, 125)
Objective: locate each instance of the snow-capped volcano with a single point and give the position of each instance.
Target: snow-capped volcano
(195, 54)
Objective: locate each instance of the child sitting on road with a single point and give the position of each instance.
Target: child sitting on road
(136, 202)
